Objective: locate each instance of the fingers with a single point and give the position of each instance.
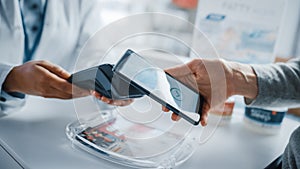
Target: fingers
(56, 77)
(45, 79)
(55, 69)
(175, 117)
(179, 71)
(59, 84)
(204, 119)
(165, 109)
(60, 88)
(185, 74)
(204, 115)
(185, 69)
(121, 102)
(112, 102)
(79, 92)
(96, 94)
(186, 4)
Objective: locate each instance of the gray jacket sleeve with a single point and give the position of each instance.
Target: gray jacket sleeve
(291, 155)
(278, 85)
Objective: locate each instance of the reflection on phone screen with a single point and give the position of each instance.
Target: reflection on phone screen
(160, 86)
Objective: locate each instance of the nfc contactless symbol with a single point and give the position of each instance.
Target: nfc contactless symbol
(176, 93)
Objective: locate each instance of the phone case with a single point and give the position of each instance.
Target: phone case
(109, 137)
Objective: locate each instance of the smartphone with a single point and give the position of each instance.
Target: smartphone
(99, 78)
(160, 86)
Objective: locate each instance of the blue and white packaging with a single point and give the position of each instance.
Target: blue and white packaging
(264, 120)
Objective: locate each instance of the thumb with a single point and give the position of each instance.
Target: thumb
(179, 71)
(55, 69)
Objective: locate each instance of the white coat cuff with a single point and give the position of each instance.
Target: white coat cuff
(9, 101)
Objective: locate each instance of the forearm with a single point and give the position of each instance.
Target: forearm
(240, 79)
(271, 85)
(278, 85)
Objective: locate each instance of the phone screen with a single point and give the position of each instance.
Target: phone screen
(160, 86)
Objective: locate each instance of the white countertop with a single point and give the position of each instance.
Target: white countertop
(35, 138)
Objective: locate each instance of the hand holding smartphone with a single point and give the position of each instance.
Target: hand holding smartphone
(160, 86)
(133, 77)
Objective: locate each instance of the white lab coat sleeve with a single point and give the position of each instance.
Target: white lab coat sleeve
(90, 20)
(9, 102)
(90, 23)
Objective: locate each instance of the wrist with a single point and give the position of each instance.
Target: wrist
(240, 79)
(10, 82)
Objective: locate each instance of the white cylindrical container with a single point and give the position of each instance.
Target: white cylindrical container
(222, 116)
(264, 120)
